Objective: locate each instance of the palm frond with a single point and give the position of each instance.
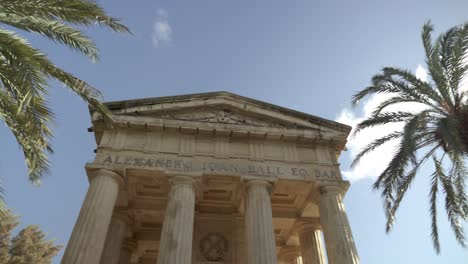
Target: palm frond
(375, 144)
(427, 39)
(25, 72)
(78, 12)
(412, 85)
(433, 209)
(403, 185)
(395, 100)
(455, 60)
(451, 205)
(401, 84)
(457, 175)
(382, 119)
(31, 138)
(54, 30)
(405, 155)
(437, 73)
(88, 93)
(440, 126)
(23, 78)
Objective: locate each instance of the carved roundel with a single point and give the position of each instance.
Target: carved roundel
(213, 247)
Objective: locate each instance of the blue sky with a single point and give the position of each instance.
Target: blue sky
(310, 56)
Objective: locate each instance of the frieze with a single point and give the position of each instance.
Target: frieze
(220, 116)
(231, 167)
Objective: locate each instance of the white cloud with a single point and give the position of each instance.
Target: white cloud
(375, 162)
(421, 73)
(162, 31)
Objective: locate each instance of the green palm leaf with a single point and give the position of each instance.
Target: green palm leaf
(441, 129)
(26, 73)
(54, 30)
(78, 12)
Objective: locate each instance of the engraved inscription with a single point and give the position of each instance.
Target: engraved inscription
(223, 167)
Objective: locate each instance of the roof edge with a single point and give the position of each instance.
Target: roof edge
(122, 104)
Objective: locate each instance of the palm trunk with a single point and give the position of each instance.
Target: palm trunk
(463, 130)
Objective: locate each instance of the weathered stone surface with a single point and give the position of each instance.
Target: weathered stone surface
(87, 240)
(235, 147)
(259, 224)
(310, 240)
(128, 247)
(288, 255)
(245, 168)
(176, 235)
(338, 237)
(115, 237)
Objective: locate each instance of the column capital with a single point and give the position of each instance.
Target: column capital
(334, 188)
(106, 173)
(307, 225)
(186, 180)
(181, 180)
(252, 183)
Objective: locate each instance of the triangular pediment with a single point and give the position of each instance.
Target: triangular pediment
(223, 108)
(220, 114)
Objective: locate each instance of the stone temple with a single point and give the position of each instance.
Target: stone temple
(213, 178)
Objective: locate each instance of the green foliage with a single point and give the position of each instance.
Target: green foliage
(26, 73)
(439, 132)
(28, 246)
(7, 224)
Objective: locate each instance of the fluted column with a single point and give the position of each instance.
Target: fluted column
(176, 235)
(129, 245)
(89, 234)
(259, 224)
(115, 236)
(311, 242)
(337, 232)
(288, 255)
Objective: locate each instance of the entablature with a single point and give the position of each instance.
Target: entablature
(222, 114)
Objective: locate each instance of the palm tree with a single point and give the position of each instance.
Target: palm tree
(26, 73)
(439, 132)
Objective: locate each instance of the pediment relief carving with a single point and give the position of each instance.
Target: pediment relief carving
(223, 116)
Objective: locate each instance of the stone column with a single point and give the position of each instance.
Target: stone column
(89, 234)
(311, 242)
(259, 224)
(337, 232)
(288, 255)
(177, 232)
(115, 236)
(129, 245)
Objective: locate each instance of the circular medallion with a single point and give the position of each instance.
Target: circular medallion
(213, 247)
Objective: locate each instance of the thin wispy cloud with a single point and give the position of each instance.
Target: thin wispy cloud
(162, 30)
(375, 162)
